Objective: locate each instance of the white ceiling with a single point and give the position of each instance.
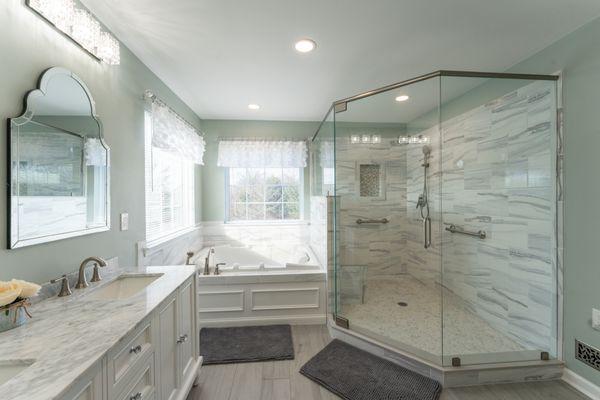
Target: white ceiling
(221, 55)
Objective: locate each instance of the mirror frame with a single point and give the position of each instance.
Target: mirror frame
(14, 241)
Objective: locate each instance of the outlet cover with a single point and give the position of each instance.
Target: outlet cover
(596, 318)
(124, 221)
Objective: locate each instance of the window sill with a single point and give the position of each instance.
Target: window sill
(298, 222)
(169, 237)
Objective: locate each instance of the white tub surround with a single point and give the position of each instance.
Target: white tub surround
(108, 349)
(259, 288)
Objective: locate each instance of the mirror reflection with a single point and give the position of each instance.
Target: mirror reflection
(59, 164)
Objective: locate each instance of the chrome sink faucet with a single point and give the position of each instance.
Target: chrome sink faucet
(82, 281)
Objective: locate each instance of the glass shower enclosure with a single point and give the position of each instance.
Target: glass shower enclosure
(444, 198)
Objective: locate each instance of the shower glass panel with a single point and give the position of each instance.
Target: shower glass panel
(498, 178)
(443, 235)
(388, 218)
(322, 234)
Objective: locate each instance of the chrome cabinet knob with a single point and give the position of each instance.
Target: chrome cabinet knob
(136, 349)
(136, 396)
(182, 338)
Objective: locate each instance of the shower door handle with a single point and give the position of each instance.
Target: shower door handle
(427, 232)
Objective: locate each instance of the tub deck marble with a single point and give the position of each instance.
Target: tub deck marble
(69, 335)
(417, 327)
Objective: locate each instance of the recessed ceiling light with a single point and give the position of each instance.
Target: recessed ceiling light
(402, 98)
(253, 106)
(305, 45)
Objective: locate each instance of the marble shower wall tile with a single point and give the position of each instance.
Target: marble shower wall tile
(377, 249)
(507, 189)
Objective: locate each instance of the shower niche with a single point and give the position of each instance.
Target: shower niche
(370, 179)
(471, 151)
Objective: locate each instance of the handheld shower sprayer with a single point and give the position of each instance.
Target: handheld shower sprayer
(423, 202)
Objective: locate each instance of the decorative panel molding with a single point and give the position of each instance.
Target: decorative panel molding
(221, 301)
(284, 299)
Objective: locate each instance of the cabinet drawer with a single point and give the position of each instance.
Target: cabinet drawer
(128, 357)
(143, 387)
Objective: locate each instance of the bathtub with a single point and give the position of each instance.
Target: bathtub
(259, 259)
(261, 285)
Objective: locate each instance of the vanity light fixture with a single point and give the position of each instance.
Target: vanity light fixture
(305, 45)
(365, 139)
(253, 106)
(413, 139)
(77, 23)
(402, 98)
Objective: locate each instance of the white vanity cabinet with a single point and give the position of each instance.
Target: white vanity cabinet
(158, 360)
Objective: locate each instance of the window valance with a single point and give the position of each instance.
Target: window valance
(262, 154)
(173, 134)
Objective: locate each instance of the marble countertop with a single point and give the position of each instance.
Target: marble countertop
(68, 335)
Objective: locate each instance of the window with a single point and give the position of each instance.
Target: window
(169, 190)
(257, 194)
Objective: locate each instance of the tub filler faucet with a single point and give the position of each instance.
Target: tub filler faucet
(207, 261)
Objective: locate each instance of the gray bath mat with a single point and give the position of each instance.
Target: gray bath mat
(354, 374)
(246, 344)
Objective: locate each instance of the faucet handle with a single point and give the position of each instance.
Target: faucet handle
(189, 255)
(65, 289)
(96, 274)
(217, 271)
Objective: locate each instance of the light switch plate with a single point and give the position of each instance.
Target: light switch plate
(124, 221)
(596, 318)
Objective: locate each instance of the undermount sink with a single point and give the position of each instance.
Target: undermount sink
(10, 369)
(123, 287)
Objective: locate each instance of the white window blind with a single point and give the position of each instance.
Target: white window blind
(169, 189)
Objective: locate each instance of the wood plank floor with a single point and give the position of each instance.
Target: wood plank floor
(280, 380)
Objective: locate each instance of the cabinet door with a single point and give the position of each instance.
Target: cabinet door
(168, 360)
(187, 323)
(88, 387)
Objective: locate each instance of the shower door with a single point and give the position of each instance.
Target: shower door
(388, 219)
(499, 253)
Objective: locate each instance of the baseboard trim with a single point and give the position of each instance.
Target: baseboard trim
(249, 321)
(578, 382)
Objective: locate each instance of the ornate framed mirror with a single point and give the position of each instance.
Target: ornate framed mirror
(59, 181)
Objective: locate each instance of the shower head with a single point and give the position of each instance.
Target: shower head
(426, 150)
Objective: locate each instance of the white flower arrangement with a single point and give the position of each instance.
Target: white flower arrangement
(15, 291)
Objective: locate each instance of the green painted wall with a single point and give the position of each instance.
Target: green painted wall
(28, 46)
(213, 177)
(578, 56)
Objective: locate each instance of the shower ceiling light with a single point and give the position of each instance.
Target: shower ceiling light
(402, 98)
(354, 139)
(72, 19)
(253, 106)
(305, 45)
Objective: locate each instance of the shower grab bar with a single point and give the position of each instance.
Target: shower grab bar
(454, 229)
(361, 221)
